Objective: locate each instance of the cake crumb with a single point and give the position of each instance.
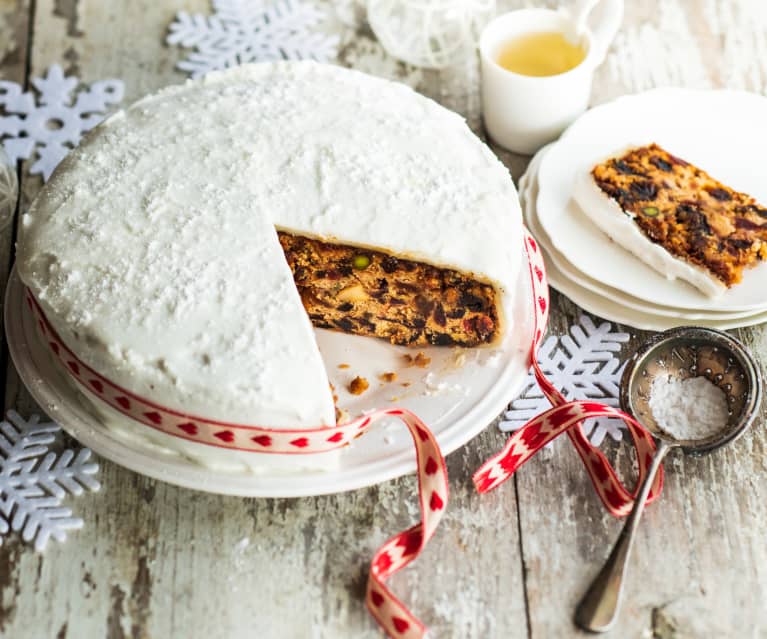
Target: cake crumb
(358, 386)
(343, 366)
(405, 384)
(388, 377)
(421, 360)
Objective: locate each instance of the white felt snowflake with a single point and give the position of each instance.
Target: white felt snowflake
(52, 122)
(251, 31)
(581, 365)
(34, 481)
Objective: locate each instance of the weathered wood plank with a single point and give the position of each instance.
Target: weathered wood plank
(698, 568)
(14, 33)
(155, 560)
(14, 36)
(14, 41)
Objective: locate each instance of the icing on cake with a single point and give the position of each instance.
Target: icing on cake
(153, 248)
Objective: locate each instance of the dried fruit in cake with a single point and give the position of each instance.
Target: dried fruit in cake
(369, 292)
(694, 227)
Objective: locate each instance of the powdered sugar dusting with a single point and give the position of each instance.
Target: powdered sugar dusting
(435, 385)
(688, 409)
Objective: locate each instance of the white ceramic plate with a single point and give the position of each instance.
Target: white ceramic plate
(608, 307)
(723, 132)
(457, 401)
(529, 187)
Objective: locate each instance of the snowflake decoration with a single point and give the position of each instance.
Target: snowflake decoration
(32, 487)
(54, 122)
(581, 365)
(251, 31)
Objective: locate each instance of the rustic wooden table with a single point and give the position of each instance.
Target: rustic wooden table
(158, 561)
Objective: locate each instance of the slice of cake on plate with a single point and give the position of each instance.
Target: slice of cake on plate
(675, 217)
(185, 248)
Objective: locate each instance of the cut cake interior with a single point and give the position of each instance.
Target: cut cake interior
(369, 292)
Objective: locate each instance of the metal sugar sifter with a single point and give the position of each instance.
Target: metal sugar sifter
(682, 353)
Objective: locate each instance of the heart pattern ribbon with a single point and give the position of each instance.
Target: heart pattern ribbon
(401, 549)
(404, 547)
(566, 417)
(394, 555)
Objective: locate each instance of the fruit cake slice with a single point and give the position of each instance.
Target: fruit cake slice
(676, 217)
(369, 292)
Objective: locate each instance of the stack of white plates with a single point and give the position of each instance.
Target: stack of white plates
(722, 132)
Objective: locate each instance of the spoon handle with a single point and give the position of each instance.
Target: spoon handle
(598, 609)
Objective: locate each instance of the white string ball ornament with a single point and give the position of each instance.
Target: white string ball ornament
(429, 33)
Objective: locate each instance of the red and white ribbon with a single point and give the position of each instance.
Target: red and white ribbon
(566, 417)
(404, 547)
(394, 555)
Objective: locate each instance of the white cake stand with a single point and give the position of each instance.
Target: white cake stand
(458, 395)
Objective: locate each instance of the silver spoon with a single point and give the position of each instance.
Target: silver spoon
(683, 352)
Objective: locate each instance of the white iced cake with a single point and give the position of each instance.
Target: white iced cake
(154, 250)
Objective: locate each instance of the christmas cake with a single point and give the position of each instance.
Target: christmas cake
(185, 248)
(676, 217)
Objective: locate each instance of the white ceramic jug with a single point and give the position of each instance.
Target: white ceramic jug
(522, 113)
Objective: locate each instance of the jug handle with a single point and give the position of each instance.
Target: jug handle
(604, 31)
